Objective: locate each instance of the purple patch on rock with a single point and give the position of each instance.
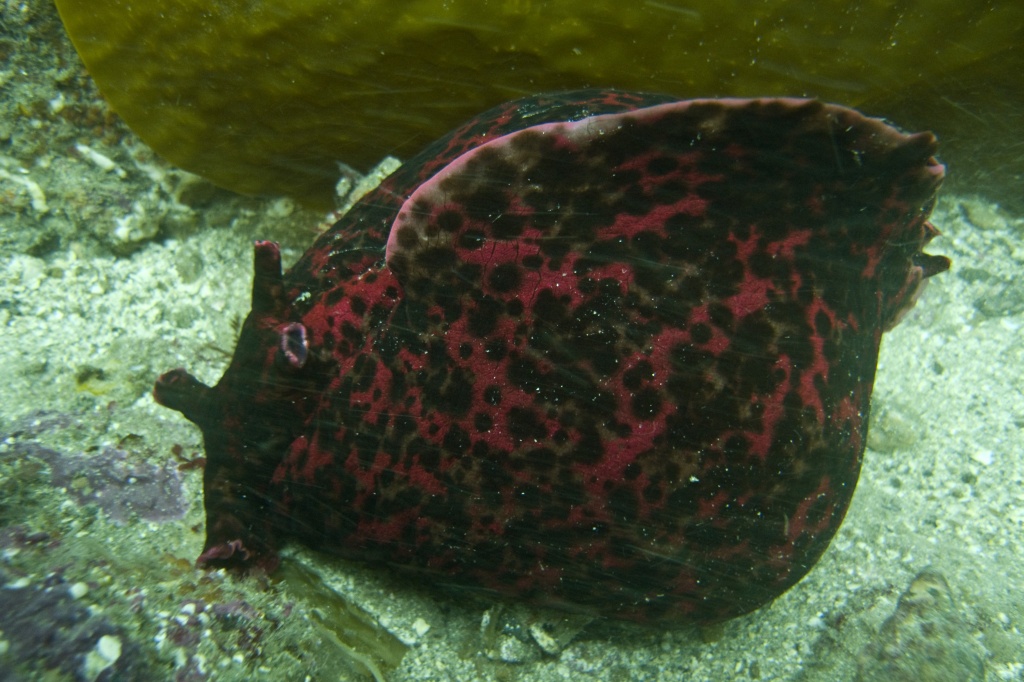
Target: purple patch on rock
(38, 422)
(47, 630)
(112, 481)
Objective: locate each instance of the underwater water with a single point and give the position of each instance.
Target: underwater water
(116, 266)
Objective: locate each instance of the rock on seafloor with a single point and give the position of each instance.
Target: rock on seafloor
(600, 350)
(926, 640)
(48, 635)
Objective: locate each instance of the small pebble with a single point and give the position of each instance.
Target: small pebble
(982, 457)
(420, 627)
(109, 648)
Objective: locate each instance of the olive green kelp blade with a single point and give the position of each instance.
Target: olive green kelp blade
(267, 97)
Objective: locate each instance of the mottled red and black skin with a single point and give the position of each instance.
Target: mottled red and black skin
(600, 350)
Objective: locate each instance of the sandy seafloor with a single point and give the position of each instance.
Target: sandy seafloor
(111, 274)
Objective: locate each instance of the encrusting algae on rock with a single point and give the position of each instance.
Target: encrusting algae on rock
(601, 350)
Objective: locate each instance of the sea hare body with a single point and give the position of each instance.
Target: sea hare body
(600, 350)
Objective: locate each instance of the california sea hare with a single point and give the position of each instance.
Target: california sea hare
(600, 350)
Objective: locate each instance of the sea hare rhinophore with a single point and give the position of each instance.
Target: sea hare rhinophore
(600, 350)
